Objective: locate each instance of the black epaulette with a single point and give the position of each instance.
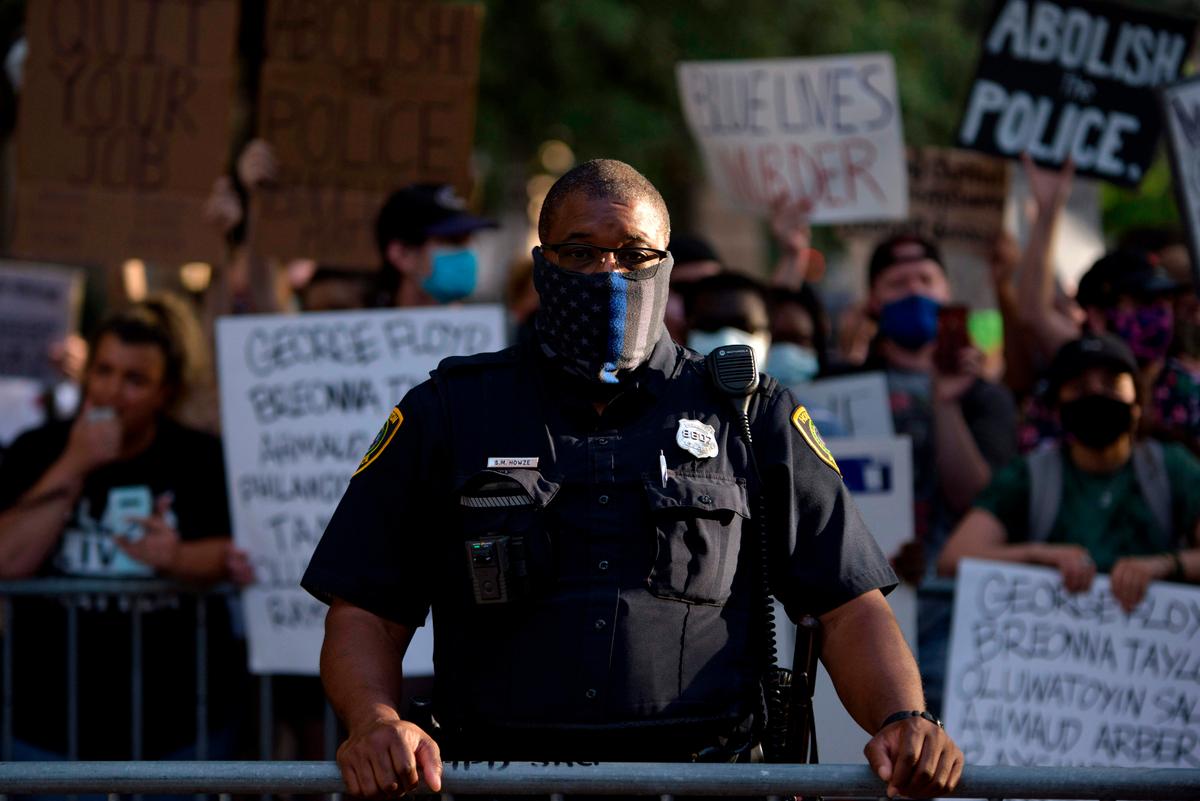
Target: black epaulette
(508, 356)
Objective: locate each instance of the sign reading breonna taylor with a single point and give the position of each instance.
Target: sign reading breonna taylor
(823, 129)
(302, 398)
(1041, 676)
(1072, 80)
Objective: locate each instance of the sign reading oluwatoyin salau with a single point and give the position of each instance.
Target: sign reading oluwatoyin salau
(302, 397)
(1073, 80)
(826, 130)
(1041, 676)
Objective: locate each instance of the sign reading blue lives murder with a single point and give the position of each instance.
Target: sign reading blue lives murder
(302, 398)
(1041, 676)
(1073, 80)
(826, 130)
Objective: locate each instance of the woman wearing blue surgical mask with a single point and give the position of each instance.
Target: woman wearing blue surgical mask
(799, 329)
(728, 309)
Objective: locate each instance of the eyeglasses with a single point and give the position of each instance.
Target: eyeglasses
(579, 257)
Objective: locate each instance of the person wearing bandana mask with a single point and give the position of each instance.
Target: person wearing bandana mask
(424, 236)
(602, 458)
(1102, 501)
(962, 426)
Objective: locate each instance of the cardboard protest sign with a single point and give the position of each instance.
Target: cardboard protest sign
(1040, 676)
(823, 129)
(1181, 109)
(39, 305)
(1068, 79)
(302, 398)
(858, 402)
(955, 198)
(123, 128)
(878, 473)
(358, 100)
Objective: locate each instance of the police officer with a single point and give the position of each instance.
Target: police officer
(581, 516)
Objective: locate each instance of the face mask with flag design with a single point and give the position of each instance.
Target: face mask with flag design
(600, 324)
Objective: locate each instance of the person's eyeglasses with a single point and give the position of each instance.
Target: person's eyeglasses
(581, 258)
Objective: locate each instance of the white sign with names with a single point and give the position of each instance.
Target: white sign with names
(859, 402)
(302, 397)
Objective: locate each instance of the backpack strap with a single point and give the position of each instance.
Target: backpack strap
(1045, 491)
(1150, 468)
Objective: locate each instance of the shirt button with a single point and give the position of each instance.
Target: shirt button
(603, 499)
(602, 441)
(601, 623)
(705, 499)
(590, 694)
(603, 564)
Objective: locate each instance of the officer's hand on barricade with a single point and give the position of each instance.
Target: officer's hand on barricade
(916, 758)
(381, 759)
(1132, 575)
(1073, 562)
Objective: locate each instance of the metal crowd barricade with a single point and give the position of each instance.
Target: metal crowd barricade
(127, 593)
(667, 781)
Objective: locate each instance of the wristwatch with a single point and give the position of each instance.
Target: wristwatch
(904, 714)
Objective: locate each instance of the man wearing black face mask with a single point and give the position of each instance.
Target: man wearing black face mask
(1102, 500)
(577, 512)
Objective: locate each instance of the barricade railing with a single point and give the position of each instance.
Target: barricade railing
(556, 780)
(127, 594)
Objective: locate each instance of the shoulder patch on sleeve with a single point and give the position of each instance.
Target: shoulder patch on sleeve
(808, 432)
(390, 427)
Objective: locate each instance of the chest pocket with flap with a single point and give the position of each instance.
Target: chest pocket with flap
(699, 523)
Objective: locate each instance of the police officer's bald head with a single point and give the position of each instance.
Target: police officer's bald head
(602, 179)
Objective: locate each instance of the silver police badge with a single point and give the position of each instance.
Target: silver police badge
(698, 439)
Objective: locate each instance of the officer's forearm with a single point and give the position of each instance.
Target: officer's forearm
(870, 664)
(361, 660)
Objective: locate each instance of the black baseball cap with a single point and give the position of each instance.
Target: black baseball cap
(901, 249)
(1123, 272)
(417, 212)
(1090, 350)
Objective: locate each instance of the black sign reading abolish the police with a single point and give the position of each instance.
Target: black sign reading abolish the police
(1072, 80)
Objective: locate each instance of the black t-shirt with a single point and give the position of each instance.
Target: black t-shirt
(642, 607)
(181, 461)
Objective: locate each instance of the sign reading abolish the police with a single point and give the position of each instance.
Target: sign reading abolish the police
(1181, 108)
(123, 128)
(302, 398)
(359, 99)
(1069, 80)
(823, 129)
(1040, 676)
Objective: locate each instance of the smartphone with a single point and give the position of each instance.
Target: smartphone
(952, 337)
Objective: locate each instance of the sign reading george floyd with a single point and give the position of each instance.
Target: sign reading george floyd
(823, 129)
(1070, 80)
(1181, 109)
(123, 128)
(359, 99)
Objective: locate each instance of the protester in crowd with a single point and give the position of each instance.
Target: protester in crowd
(695, 259)
(728, 308)
(1102, 500)
(962, 427)
(121, 491)
(334, 289)
(799, 336)
(521, 301)
(424, 237)
(498, 450)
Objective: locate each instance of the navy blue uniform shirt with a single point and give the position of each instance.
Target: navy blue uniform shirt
(639, 607)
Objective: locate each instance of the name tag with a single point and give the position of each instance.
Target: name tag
(512, 461)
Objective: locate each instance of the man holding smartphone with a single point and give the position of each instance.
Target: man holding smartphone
(962, 426)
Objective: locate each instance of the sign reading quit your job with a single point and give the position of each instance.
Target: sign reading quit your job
(1072, 80)
(1041, 676)
(302, 397)
(823, 129)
